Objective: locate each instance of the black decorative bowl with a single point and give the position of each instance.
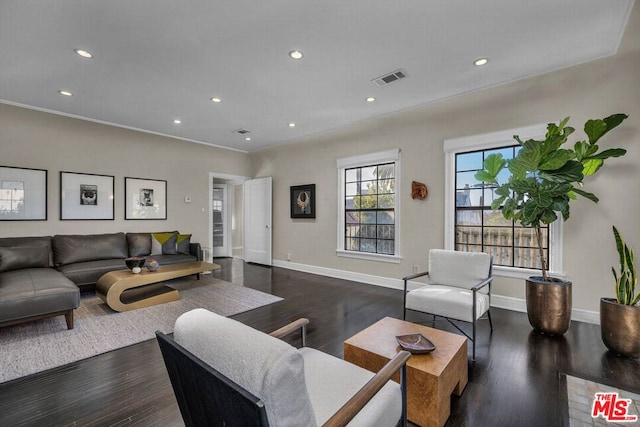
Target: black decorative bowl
(134, 262)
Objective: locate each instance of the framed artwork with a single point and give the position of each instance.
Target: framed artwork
(145, 198)
(23, 194)
(303, 201)
(86, 196)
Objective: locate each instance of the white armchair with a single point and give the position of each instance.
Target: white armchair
(226, 373)
(458, 288)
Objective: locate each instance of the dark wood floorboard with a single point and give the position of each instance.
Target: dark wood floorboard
(513, 383)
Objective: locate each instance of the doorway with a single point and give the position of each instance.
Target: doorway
(226, 216)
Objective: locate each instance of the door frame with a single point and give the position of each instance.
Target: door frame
(229, 179)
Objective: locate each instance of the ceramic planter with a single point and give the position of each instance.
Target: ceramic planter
(620, 327)
(549, 305)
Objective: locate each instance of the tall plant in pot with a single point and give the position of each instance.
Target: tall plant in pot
(543, 178)
(620, 316)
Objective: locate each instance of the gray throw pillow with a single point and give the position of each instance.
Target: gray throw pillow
(183, 241)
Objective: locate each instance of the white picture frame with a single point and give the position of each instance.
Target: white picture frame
(86, 196)
(23, 194)
(145, 198)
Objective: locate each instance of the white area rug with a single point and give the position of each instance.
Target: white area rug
(32, 347)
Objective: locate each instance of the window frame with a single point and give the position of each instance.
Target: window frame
(372, 159)
(489, 141)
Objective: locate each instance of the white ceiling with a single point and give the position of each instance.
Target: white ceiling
(158, 60)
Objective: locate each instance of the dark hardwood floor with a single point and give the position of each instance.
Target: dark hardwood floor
(514, 381)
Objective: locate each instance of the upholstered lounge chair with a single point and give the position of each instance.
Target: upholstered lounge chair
(458, 288)
(226, 373)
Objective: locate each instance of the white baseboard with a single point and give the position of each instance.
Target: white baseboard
(499, 301)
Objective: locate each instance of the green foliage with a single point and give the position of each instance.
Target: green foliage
(546, 176)
(627, 281)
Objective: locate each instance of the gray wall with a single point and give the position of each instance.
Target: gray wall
(33, 139)
(592, 90)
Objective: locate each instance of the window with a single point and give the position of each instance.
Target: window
(368, 225)
(471, 224)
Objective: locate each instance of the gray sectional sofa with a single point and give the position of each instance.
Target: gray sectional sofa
(42, 276)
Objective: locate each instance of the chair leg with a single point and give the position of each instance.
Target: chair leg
(403, 389)
(404, 313)
(473, 357)
(433, 321)
(490, 323)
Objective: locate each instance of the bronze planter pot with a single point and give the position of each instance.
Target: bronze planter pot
(620, 327)
(549, 305)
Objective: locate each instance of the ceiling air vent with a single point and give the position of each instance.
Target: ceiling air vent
(241, 131)
(389, 78)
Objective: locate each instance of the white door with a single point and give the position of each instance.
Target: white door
(220, 215)
(257, 213)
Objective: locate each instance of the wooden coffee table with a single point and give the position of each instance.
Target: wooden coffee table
(122, 290)
(431, 378)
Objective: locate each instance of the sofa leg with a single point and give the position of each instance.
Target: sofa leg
(68, 316)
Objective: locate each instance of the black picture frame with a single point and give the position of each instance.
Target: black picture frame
(23, 194)
(303, 201)
(86, 196)
(145, 198)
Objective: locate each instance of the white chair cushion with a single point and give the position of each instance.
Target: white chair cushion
(457, 268)
(332, 382)
(265, 366)
(447, 301)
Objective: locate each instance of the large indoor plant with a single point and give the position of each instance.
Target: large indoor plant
(543, 178)
(620, 316)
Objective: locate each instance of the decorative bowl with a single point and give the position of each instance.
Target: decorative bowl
(415, 343)
(135, 262)
(152, 265)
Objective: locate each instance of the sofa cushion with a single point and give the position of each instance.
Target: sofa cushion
(182, 243)
(20, 242)
(139, 244)
(68, 249)
(173, 259)
(267, 367)
(163, 243)
(16, 258)
(35, 291)
(88, 273)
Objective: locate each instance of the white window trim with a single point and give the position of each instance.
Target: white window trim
(365, 160)
(484, 142)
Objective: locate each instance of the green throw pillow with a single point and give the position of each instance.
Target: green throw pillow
(163, 243)
(183, 242)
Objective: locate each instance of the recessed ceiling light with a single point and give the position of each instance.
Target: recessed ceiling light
(370, 99)
(292, 125)
(296, 54)
(480, 61)
(177, 121)
(65, 92)
(248, 138)
(216, 99)
(83, 53)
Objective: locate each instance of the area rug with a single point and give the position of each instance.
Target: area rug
(615, 402)
(32, 347)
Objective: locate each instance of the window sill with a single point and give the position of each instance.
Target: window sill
(395, 259)
(520, 273)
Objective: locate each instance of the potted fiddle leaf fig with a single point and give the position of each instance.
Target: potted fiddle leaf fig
(543, 178)
(620, 316)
